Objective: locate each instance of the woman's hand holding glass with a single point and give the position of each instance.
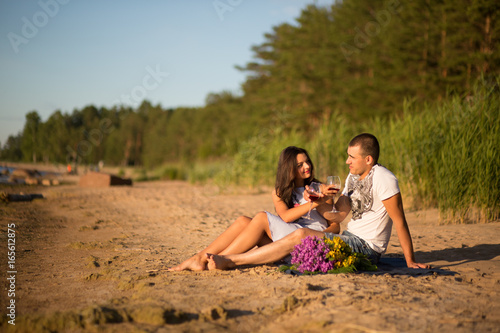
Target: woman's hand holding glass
(312, 194)
(324, 194)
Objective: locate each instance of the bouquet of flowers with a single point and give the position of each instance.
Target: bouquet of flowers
(315, 255)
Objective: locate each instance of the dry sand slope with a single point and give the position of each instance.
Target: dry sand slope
(95, 259)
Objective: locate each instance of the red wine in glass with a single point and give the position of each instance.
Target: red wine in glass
(313, 196)
(314, 191)
(333, 183)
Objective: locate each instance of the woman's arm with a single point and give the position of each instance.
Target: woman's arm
(290, 214)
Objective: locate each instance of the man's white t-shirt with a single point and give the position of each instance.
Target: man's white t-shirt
(370, 220)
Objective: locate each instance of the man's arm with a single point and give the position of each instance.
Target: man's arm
(343, 205)
(324, 208)
(394, 206)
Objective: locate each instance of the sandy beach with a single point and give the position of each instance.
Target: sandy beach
(96, 259)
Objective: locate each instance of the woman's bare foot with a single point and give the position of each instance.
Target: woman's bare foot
(219, 262)
(198, 262)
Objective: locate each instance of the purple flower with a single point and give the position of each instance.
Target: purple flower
(310, 256)
(315, 255)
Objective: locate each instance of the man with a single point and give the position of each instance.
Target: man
(371, 192)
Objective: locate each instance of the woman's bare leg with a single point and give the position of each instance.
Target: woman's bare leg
(262, 255)
(255, 233)
(198, 262)
(241, 236)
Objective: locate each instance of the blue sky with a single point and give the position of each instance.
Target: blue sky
(66, 54)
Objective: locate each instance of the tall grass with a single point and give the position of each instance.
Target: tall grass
(257, 159)
(329, 147)
(445, 156)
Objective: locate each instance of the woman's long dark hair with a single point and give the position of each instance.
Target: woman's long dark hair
(285, 175)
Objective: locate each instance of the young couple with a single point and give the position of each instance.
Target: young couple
(371, 192)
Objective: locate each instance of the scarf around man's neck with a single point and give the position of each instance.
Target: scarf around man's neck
(360, 194)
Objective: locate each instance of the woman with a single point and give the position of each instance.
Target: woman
(295, 171)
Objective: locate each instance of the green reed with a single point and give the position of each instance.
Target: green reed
(257, 158)
(444, 155)
(447, 156)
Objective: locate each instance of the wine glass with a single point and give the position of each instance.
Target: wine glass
(314, 192)
(333, 183)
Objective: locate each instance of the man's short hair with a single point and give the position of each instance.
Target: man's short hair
(368, 144)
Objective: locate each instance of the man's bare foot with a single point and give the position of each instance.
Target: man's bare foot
(219, 262)
(197, 262)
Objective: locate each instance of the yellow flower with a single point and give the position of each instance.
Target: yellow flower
(350, 260)
(340, 252)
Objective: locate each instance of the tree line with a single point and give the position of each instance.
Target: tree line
(357, 58)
